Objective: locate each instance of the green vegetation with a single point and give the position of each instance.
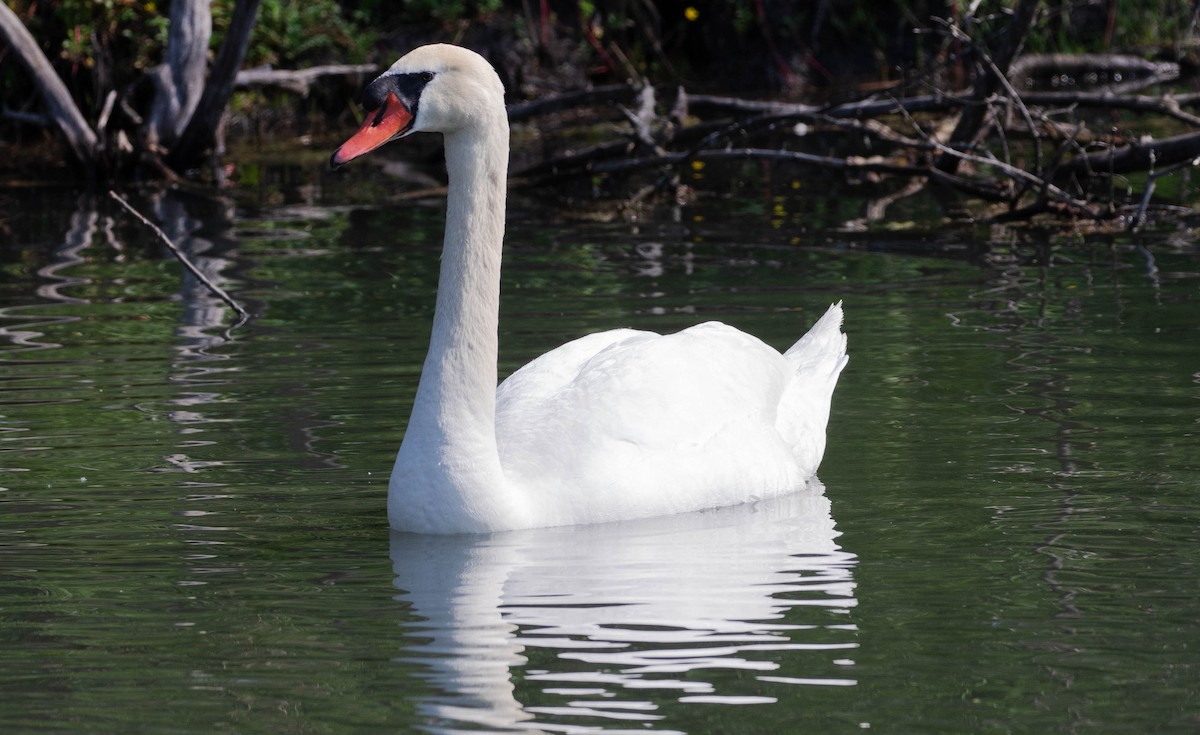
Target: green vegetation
(772, 38)
(104, 30)
(132, 34)
(292, 34)
(1072, 26)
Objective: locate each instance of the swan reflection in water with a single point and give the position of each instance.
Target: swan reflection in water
(612, 622)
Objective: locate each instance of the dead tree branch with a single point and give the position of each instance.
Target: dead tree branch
(611, 94)
(1032, 70)
(299, 81)
(1142, 155)
(1168, 105)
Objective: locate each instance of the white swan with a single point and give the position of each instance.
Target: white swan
(612, 426)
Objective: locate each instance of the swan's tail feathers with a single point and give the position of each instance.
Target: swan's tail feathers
(817, 361)
(821, 352)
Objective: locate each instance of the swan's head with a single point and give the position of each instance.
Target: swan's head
(437, 88)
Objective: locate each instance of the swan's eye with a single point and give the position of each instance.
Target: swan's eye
(379, 115)
(427, 76)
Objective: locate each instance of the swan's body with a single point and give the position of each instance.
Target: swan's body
(612, 426)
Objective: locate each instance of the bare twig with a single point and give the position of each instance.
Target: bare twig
(971, 119)
(1152, 177)
(109, 101)
(1013, 172)
(870, 107)
(873, 165)
(183, 258)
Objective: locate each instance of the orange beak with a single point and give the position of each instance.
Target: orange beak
(392, 120)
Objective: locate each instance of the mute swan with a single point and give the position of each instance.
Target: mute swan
(612, 426)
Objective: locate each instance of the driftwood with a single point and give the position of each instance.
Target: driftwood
(1167, 105)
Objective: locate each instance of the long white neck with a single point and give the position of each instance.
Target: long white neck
(453, 418)
(458, 386)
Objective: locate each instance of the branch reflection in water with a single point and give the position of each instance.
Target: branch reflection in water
(616, 621)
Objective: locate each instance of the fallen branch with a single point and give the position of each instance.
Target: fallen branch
(1166, 105)
(733, 128)
(299, 81)
(871, 107)
(1091, 70)
(1015, 173)
(1170, 105)
(853, 163)
(1142, 155)
(611, 94)
(183, 258)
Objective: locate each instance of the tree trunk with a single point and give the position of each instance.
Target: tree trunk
(179, 80)
(200, 134)
(63, 113)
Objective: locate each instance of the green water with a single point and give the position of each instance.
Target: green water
(192, 524)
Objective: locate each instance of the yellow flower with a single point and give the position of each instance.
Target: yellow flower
(691, 13)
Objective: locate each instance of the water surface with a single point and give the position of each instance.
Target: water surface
(192, 525)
